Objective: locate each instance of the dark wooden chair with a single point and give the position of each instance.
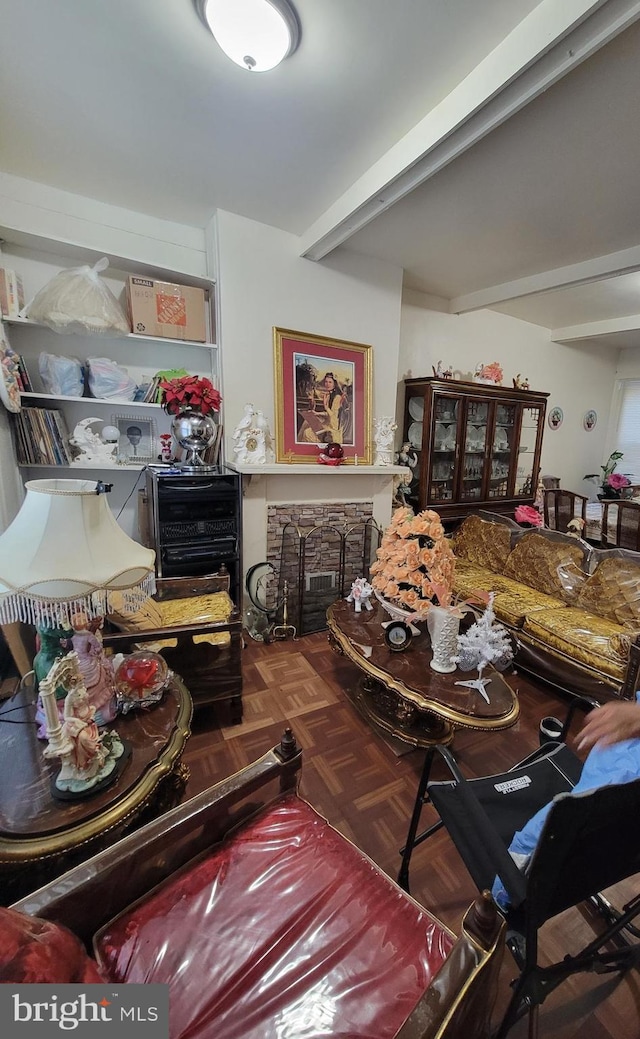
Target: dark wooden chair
(550, 482)
(561, 506)
(256, 912)
(621, 524)
(207, 654)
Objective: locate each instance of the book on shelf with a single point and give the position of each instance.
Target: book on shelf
(41, 437)
(24, 379)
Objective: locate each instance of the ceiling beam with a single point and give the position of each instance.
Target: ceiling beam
(596, 269)
(553, 39)
(594, 329)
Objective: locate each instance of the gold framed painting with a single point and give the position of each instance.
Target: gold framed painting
(322, 396)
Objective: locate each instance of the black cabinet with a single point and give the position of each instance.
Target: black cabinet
(195, 523)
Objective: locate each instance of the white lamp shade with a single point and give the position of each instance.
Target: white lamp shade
(256, 34)
(65, 552)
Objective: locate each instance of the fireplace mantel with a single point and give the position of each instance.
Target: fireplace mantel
(280, 483)
(315, 469)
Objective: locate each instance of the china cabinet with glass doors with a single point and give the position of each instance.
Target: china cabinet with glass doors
(474, 446)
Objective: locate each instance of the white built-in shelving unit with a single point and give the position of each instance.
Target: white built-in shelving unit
(37, 260)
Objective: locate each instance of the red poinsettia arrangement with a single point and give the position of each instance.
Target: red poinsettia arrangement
(190, 391)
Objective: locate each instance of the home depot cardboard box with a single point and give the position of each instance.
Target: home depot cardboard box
(160, 308)
(11, 293)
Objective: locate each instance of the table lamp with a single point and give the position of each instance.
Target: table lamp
(64, 555)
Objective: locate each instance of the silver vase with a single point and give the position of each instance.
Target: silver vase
(194, 432)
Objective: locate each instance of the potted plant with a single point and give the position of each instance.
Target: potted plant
(191, 399)
(612, 483)
(189, 391)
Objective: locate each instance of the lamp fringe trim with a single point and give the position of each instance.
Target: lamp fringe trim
(21, 606)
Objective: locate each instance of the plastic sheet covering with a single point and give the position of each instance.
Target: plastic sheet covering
(285, 931)
(572, 579)
(34, 951)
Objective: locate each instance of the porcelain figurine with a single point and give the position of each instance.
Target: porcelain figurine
(361, 592)
(384, 429)
(252, 438)
(97, 674)
(88, 757)
(88, 447)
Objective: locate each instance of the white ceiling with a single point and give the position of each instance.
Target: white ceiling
(491, 149)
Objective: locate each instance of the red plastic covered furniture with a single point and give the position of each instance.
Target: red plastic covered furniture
(265, 921)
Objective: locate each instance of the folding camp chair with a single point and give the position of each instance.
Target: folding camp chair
(584, 848)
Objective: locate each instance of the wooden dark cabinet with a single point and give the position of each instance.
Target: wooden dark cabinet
(477, 445)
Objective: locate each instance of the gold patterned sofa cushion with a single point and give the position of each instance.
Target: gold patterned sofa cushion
(581, 636)
(514, 608)
(613, 591)
(538, 562)
(169, 613)
(469, 578)
(483, 543)
(513, 599)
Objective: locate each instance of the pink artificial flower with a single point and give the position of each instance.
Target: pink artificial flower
(527, 514)
(492, 371)
(617, 481)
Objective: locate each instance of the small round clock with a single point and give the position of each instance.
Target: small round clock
(398, 636)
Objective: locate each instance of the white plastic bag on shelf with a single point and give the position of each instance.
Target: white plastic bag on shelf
(62, 376)
(108, 379)
(78, 300)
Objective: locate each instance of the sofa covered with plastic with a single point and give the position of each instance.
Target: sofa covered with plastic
(574, 610)
(264, 921)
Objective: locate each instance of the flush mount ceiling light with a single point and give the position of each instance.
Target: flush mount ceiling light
(256, 34)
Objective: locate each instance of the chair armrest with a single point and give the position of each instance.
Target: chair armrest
(91, 894)
(460, 998)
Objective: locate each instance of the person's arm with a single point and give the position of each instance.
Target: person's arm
(610, 724)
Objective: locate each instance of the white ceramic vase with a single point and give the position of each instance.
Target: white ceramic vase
(443, 625)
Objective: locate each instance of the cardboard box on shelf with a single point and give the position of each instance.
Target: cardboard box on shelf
(11, 293)
(160, 308)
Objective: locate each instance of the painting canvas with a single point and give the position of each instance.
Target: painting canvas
(323, 395)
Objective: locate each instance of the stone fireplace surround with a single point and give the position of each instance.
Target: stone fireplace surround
(307, 493)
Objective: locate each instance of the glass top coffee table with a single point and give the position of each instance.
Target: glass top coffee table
(402, 694)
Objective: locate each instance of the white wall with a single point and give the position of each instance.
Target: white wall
(577, 378)
(263, 283)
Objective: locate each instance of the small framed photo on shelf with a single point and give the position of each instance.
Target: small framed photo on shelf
(137, 441)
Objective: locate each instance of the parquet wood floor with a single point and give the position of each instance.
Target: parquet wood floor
(366, 790)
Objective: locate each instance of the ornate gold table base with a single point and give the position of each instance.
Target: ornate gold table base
(402, 694)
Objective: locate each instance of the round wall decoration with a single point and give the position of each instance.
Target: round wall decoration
(589, 420)
(555, 418)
